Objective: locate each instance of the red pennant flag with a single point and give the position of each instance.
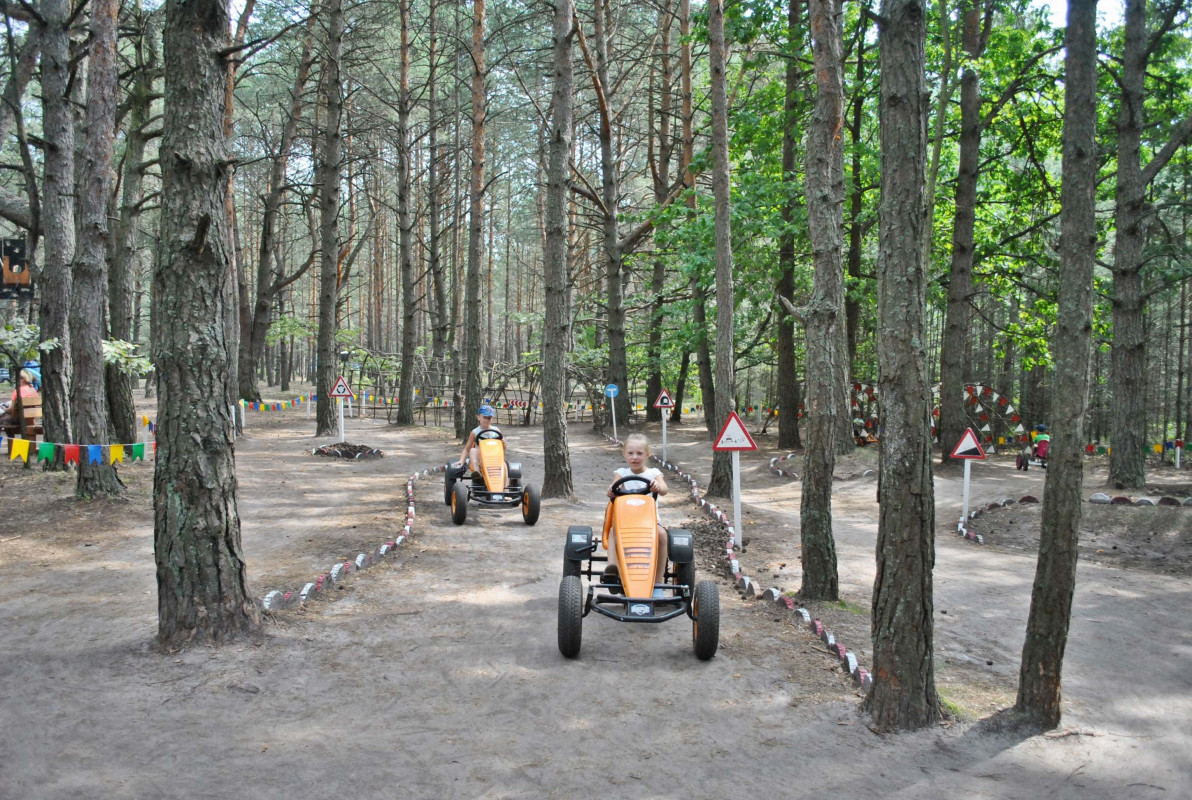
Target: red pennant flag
(72, 453)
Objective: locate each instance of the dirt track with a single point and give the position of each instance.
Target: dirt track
(437, 670)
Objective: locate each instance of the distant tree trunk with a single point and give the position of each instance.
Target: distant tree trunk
(903, 694)
(953, 359)
(58, 222)
(721, 482)
(661, 172)
(405, 222)
(126, 239)
(329, 192)
(676, 414)
(90, 280)
(1055, 573)
(1127, 457)
(269, 282)
(856, 225)
(473, 337)
(557, 324)
(202, 585)
(788, 380)
(825, 313)
(439, 313)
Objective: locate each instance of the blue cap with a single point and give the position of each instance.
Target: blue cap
(486, 411)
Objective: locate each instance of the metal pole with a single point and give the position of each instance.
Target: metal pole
(737, 498)
(340, 401)
(968, 470)
(664, 433)
(613, 407)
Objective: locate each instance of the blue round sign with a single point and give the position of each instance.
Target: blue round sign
(611, 390)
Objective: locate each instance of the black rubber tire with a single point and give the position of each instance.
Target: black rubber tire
(459, 503)
(705, 628)
(685, 573)
(448, 487)
(571, 615)
(531, 504)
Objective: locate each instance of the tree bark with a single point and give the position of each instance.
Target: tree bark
(202, 584)
(788, 379)
(1055, 573)
(720, 484)
(405, 223)
(473, 337)
(90, 278)
(439, 313)
(903, 694)
(557, 481)
(660, 168)
(329, 193)
(825, 313)
(58, 222)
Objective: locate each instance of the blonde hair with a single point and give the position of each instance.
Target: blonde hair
(637, 437)
(26, 376)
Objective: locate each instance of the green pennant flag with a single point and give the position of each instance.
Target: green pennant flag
(138, 451)
(45, 451)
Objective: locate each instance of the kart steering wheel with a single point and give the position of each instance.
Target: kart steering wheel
(491, 433)
(618, 487)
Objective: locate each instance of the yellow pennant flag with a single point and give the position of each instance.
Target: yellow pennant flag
(116, 453)
(144, 421)
(19, 449)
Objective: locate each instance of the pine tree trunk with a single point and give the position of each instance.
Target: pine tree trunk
(439, 313)
(405, 222)
(473, 338)
(202, 585)
(90, 281)
(825, 313)
(58, 222)
(903, 694)
(661, 172)
(1055, 573)
(721, 482)
(788, 379)
(329, 194)
(557, 480)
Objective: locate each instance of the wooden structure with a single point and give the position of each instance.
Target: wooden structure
(28, 422)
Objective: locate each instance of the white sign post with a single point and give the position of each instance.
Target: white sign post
(968, 449)
(339, 392)
(734, 437)
(611, 391)
(666, 403)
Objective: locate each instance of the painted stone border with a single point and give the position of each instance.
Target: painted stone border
(750, 588)
(276, 599)
(783, 473)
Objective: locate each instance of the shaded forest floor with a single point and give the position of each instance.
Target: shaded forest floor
(437, 670)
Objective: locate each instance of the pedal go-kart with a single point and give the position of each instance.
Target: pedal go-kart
(495, 482)
(624, 589)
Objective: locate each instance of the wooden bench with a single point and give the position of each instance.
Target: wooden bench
(30, 424)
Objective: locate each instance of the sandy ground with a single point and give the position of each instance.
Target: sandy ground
(437, 670)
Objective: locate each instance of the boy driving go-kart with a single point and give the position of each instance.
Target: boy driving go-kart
(634, 586)
(494, 482)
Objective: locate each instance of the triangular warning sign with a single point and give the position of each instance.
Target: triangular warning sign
(664, 400)
(733, 435)
(341, 388)
(968, 446)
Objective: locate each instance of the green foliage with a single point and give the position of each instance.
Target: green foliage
(123, 356)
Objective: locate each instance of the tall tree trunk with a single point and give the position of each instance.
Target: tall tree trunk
(90, 280)
(1055, 573)
(473, 336)
(661, 172)
(720, 484)
(58, 222)
(903, 694)
(557, 324)
(201, 579)
(856, 225)
(329, 192)
(788, 379)
(127, 239)
(268, 279)
(439, 313)
(953, 359)
(405, 222)
(825, 312)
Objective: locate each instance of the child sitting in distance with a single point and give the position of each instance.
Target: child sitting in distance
(636, 451)
(470, 454)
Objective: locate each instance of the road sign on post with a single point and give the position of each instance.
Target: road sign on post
(611, 391)
(968, 449)
(734, 438)
(664, 402)
(339, 392)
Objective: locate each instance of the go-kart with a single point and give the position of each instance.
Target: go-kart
(493, 482)
(624, 589)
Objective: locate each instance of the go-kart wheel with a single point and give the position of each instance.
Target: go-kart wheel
(705, 627)
(448, 489)
(530, 504)
(685, 574)
(459, 503)
(571, 615)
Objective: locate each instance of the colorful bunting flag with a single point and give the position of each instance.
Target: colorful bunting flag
(45, 451)
(116, 453)
(72, 453)
(94, 453)
(19, 448)
(138, 451)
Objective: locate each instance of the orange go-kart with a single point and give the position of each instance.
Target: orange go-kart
(624, 589)
(494, 482)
